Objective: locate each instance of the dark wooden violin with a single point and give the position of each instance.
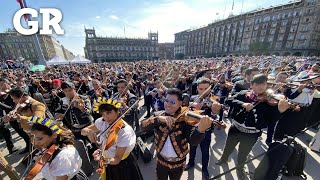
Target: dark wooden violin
(40, 162)
(273, 100)
(193, 117)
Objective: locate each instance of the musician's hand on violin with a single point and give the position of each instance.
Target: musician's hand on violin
(197, 106)
(204, 124)
(247, 106)
(6, 118)
(168, 120)
(58, 116)
(96, 154)
(283, 105)
(215, 107)
(301, 86)
(92, 136)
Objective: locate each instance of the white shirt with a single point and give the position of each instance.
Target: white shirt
(126, 138)
(167, 150)
(67, 163)
(304, 98)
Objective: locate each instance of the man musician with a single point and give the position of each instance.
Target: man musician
(211, 108)
(128, 99)
(75, 110)
(250, 116)
(172, 138)
(25, 106)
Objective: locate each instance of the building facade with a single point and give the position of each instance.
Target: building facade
(180, 42)
(107, 49)
(288, 29)
(14, 46)
(166, 51)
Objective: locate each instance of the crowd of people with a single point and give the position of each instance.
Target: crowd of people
(72, 115)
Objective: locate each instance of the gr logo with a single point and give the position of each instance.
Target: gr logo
(47, 21)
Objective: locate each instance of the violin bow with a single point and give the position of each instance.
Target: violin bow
(111, 125)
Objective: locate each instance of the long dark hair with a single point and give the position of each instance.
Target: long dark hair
(63, 139)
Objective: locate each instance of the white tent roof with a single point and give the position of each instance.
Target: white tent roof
(57, 60)
(81, 60)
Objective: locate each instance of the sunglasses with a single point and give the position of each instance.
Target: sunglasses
(171, 101)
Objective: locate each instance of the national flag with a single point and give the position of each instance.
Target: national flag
(23, 4)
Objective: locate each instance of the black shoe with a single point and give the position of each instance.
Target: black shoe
(188, 166)
(241, 173)
(26, 150)
(205, 175)
(13, 150)
(221, 161)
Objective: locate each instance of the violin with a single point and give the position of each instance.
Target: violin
(193, 117)
(40, 162)
(77, 100)
(273, 100)
(112, 136)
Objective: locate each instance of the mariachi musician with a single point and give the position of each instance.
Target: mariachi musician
(127, 99)
(211, 107)
(172, 138)
(55, 95)
(95, 93)
(251, 113)
(58, 159)
(75, 111)
(25, 106)
(116, 161)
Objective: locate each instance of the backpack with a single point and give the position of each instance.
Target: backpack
(297, 161)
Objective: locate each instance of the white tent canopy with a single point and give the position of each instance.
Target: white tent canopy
(57, 60)
(80, 60)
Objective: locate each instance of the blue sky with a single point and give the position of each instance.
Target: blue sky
(137, 17)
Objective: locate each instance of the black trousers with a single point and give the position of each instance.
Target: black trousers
(163, 172)
(5, 132)
(16, 126)
(205, 146)
(246, 141)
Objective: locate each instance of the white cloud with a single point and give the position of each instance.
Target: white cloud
(98, 17)
(167, 17)
(114, 17)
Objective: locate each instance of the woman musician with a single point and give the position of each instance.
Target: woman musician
(119, 162)
(58, 160)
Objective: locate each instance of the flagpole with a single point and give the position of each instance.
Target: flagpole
(35, 38)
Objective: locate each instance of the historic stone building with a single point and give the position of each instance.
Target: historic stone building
(166, 50)
(14, 46)
(105, 49)
(288, 29)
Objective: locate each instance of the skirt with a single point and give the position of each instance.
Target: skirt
(127, 169)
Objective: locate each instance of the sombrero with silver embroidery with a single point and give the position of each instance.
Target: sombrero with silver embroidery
(46, 122)
(104, 100)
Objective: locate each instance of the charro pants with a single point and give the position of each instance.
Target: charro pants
(5, 132)
(245, 140)
(163, 172)
(15, 125)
